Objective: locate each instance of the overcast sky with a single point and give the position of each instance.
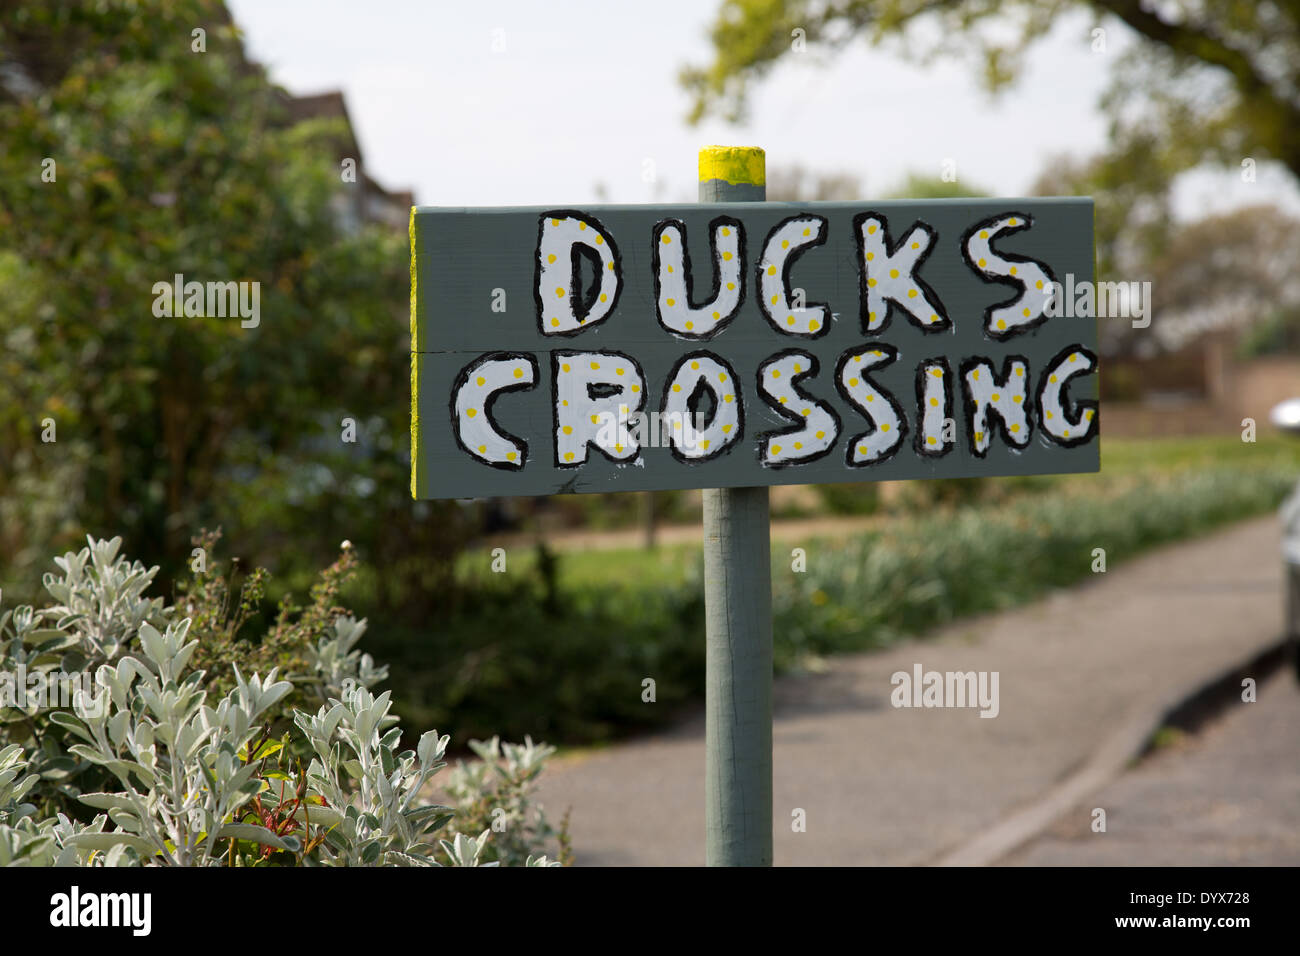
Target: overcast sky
(585, 95)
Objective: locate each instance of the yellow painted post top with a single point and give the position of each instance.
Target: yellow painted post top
(738, 165)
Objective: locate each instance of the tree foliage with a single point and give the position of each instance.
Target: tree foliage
(1216, 78)
(170, 160)
(1205, 83)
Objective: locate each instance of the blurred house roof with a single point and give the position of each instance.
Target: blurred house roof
(377, 204)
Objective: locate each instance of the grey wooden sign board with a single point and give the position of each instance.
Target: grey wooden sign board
(625, 348)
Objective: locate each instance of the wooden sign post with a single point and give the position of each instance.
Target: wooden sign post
(736, 344)
(738, 615)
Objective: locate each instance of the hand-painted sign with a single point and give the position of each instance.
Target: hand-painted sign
(625, 348)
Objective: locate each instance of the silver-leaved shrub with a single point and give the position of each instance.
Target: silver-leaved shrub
(195, 778)
(496, 793)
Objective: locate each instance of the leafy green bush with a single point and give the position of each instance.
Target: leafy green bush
(928, 570)
(505, 664)
(168, 425)
(192, 776)
(859, 498)
(942, 492)
(1277, 333)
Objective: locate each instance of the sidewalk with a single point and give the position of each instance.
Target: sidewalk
(881, 785)
(1226, 796)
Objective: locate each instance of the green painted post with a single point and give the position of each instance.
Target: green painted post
(738, 608)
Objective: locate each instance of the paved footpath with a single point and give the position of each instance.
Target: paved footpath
(1078, 670)
(1227, 796)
